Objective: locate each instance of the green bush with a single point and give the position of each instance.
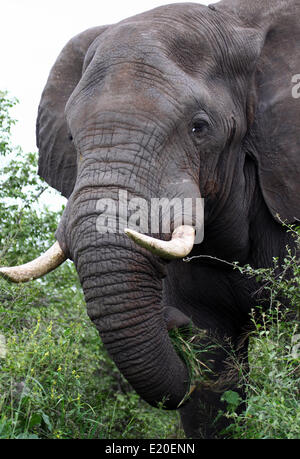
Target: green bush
(273, 384)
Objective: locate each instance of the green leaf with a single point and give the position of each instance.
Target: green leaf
(35, 420)
(47, 421)
(232, 399)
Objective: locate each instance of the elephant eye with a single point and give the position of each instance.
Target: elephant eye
(199, 126)
(70, 137)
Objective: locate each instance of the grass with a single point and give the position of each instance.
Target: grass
(273, 383)
(57, 381)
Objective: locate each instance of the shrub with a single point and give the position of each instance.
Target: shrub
(273, 384)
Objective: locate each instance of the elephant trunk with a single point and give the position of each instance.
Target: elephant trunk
(122, 284)
(122, 287)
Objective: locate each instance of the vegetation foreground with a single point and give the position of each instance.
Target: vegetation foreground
(56, 380)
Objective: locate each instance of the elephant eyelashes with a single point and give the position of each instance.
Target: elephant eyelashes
(199, 127)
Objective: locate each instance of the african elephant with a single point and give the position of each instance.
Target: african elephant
(184, 101)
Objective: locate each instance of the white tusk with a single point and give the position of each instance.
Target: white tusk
(42, 265)
(179, 246)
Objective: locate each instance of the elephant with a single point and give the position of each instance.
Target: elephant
(187, 102)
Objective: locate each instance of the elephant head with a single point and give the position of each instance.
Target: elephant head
(169, 103)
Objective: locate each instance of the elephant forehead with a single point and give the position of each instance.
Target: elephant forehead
(191, 35)
(130, 59)
(126, 93)
(155, 44)
(134, 78)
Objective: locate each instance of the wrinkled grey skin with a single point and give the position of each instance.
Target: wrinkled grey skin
(181, 101)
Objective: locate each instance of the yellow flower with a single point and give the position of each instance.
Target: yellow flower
(49, 329)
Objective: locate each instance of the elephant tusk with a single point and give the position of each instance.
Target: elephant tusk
(179, 246)
(42, 265)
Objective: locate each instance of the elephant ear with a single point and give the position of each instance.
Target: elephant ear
(274, 137)
(57, 155)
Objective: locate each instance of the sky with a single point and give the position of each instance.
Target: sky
(32, 34)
